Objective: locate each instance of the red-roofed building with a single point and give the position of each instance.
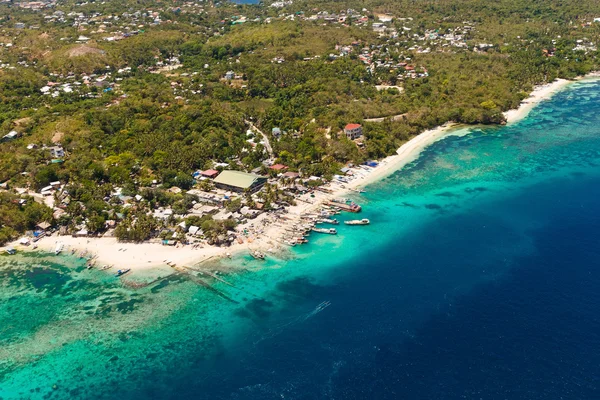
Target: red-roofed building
(353, 131)
(210, 173)
(278, 167)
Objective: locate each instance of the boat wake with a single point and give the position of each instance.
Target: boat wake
(298, 320)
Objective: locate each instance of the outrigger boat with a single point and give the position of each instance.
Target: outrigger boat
(327, 221)
(363, 221)
(330, 231)
(122, 272)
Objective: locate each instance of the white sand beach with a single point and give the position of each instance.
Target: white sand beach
(540, 93)
(265, 232)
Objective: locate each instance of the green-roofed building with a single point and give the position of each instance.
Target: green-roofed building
(237, 181)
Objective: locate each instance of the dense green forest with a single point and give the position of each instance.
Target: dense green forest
(141, 94)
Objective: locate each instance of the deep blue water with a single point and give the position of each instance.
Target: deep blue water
(477, 279)
(532, 333)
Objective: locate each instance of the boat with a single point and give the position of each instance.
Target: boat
(329, 231)
(59, 248)
(341, 201)
(104, 267)
(10, 251)
(363, 221)
(257, 255)
(327, 221)
(358, 190)
(122, 272)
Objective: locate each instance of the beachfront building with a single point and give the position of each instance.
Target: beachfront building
(238, 181)
(353, 131)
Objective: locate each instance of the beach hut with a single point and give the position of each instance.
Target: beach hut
(43, 226)
(292, 175)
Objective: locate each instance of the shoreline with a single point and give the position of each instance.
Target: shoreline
(541, 93)
(268, 228)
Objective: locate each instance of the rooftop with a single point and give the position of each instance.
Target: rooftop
(352, 126)
(237, 178)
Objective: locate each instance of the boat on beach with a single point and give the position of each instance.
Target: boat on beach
(10, 251)
(257, 255)
(59, 248)
(363, 221)
(329, 231)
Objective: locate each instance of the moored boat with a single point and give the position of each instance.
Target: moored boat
(329, 231)
(363, 221)
(10, 251)
(122, 272)
(327, 221)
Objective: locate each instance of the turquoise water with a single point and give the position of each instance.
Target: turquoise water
(476, 279)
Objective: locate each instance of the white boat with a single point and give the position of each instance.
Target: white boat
(330, 231)
(363, 221)
(59, 247)
(10, 250)
(327, 221)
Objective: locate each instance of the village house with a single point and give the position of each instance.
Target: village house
(57, 152)
(209, 173)
(10, 136)
(353, 131)
(278, 167)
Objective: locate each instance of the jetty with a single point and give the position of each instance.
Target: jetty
(201, 282)
(349, 207)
